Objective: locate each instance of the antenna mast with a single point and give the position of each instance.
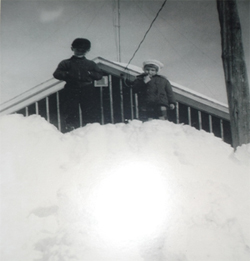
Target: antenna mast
(118, 29)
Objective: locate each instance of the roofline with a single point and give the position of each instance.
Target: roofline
(101, 60)
(30, 96)
(179, 86)
(182, 93)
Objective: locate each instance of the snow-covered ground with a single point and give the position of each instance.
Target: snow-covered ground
(138, 191)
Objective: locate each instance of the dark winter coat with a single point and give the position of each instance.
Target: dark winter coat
(78, 73)
(158, 91)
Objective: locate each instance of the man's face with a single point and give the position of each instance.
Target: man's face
(150, 71)
(78, 51)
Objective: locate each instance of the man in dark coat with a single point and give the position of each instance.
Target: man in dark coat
(79, 74)
(155, 94)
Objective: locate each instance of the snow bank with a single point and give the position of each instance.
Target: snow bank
(137, 191)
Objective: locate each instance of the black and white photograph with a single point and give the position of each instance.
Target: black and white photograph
(125, 130)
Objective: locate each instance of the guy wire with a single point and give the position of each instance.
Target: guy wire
(145, 35)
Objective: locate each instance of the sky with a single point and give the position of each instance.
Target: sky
(137, 191)
(37, 35)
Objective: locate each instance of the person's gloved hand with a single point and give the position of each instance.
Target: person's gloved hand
(146, 79)
(171, 106)
(80, 76)
(90, 76)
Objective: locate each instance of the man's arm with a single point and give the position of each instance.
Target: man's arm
(138, 83)
(170, 95)
(96, 73)
(61, 72)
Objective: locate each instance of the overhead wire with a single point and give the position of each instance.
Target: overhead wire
(184, 36)
(145, 35)
(188, 66)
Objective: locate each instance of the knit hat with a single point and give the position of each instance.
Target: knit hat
(153, 63)
(81, 43)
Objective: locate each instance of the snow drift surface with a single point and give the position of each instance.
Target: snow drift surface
(137, 191)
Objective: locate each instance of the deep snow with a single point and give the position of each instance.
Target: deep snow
(138, 191)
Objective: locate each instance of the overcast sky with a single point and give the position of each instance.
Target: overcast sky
(36, 36)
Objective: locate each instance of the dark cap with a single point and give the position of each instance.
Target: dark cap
(81, 43)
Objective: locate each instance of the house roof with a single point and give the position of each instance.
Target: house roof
(183, 94)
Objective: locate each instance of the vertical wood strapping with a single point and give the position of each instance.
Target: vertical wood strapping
(80, 115)
(121, 99)
(26, 111)
(47, 109)
(58, 111)
(136, 107)
(101, 105)
(200, 120)
(131, 103)
(37, 108)
(210, 123)
(189, 116)
(111, 99)
(177, 113)
(221, 129)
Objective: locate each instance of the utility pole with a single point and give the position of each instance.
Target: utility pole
(235, 72)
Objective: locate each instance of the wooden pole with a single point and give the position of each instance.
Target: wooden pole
(235, 72)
